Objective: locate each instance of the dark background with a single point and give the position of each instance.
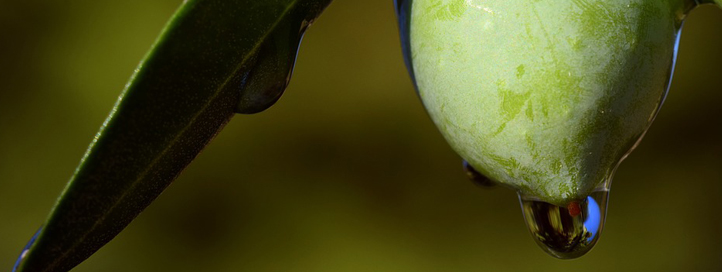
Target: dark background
(346, 172)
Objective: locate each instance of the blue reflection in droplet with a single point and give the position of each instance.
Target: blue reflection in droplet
(594, 217)
(25, 251)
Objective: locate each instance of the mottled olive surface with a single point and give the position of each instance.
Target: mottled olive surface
(544, 96)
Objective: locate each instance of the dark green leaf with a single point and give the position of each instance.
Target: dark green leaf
(214, 58)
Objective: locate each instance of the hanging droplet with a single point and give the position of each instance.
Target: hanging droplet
(272, 67)
(569, 231)
(26, 249)
(476, 177)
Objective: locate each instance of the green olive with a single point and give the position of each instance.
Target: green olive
(547, 97)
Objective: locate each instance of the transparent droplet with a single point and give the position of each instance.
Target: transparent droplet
(26, 250)
(476, 177)
(570, 231)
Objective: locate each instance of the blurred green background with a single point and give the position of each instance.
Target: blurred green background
(346, 172)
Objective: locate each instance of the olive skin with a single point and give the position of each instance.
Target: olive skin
(546, 97)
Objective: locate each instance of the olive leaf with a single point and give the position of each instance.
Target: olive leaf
(214, 58)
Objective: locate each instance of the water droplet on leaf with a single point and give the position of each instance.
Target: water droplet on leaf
(26, 249)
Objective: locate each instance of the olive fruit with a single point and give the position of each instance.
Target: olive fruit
(547, 97)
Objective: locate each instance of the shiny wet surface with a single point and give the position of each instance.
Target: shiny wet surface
(570, 231)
